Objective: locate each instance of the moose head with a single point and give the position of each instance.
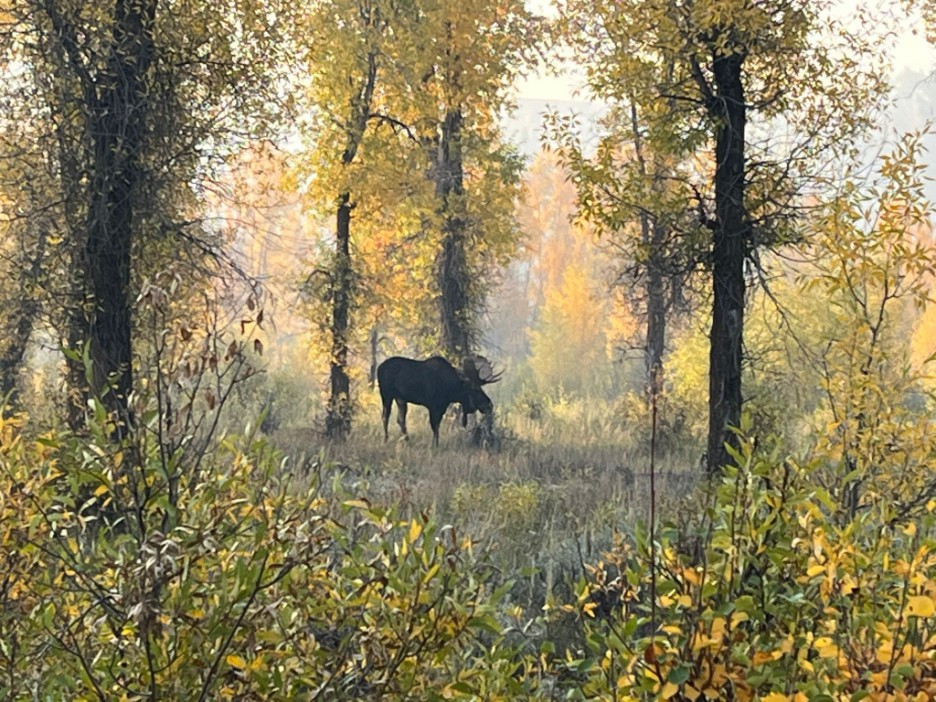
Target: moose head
(477, 372)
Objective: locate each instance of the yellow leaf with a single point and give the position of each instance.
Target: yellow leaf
(100, 490)
(691, 693)
(761, 657)
(236, 661)
(775, 697)
(815, 570)
(669, 689)
(718, 627)
(921, 606)
(826, 647)
(415, 530)
(719, 675)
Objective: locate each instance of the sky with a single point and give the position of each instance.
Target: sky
(913, 74)
(912, 53)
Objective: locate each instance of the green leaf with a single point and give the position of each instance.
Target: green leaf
(679, 674)
(487, 623)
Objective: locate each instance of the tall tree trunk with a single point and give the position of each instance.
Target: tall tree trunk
(731, 235)
(656, 310)
(118, 133)
(452, 272)
(22, 319)
(338, 413)
(653, 237)
(71, 155)
(374, 344)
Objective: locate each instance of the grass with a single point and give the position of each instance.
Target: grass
(549, 498)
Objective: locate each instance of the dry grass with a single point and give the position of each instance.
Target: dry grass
(552, 494)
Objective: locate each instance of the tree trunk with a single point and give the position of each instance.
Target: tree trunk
(22, 320)
(76, 324)
(452, 263)
(75, 321)
(374, 343)
(653, 236)
(338, 413)
(731, 235)
(70, 160)
(656, 310)
(117, 132)
(11, 360)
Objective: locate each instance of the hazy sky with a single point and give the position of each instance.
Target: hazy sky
(912, 53)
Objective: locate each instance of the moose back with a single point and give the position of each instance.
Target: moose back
(435, 384)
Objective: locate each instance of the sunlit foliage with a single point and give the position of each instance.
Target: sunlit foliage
(221, 546)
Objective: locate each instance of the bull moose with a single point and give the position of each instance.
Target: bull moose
(435, 384)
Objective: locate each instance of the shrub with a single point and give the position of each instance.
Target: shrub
(119, 580)
(763, 596)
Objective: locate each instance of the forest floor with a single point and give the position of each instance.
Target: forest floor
(548, 499)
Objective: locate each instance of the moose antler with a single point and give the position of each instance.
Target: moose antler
(480, 371)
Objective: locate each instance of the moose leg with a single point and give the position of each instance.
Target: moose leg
(435, 419)
(401, 416)
(385, 415)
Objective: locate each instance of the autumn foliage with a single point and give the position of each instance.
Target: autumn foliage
(216, 219)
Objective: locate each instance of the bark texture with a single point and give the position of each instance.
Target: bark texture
(452, 271)
(338, 412)
(731, 239)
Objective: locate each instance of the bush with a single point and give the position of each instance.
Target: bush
(122, 579)
(764, 596)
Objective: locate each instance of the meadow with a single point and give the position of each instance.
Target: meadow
(545, 493)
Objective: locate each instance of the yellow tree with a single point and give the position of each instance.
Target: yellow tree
(548, 242)
(872, 259)
(708, 75)
(638, 200)
(552, 305)
(567, 344)
(469, 55)
(347, 51)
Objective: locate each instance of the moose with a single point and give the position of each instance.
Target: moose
(435, 384)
